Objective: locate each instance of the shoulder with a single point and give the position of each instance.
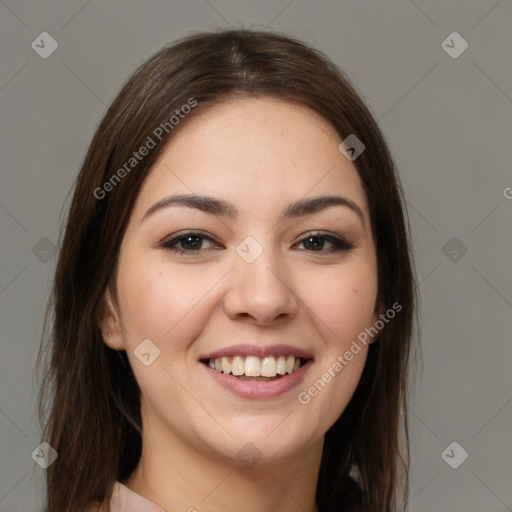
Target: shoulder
(125, 500)
(94, 507)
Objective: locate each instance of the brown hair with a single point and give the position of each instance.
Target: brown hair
(89, 397)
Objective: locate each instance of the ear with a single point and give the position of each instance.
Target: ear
(108, 322)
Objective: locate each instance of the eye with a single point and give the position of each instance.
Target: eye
(192, 242)
(317, 240)
(186, 243)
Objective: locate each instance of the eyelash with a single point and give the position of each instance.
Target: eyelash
(339, 244)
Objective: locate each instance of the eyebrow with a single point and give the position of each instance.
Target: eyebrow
(222, 208)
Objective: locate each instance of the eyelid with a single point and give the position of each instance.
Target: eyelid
(187, 232)
(338, 240)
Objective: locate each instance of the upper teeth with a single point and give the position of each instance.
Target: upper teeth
(252, 366)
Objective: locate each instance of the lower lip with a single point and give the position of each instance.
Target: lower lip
(260, 390)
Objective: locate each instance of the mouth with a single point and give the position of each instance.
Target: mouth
(255, 372)
(257, 369)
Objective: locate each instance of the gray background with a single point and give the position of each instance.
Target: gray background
(448, 122)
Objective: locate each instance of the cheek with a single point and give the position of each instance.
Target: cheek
(342, 304)
(162, 304)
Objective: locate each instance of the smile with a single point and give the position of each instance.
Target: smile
(256, 368)
(258, 372)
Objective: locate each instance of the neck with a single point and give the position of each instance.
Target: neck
(177, 476)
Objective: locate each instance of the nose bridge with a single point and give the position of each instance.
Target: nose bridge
(261, 285)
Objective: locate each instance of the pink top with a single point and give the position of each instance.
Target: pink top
(126, 500)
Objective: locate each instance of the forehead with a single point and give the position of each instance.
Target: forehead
(258, 153)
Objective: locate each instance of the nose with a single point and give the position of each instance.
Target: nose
(261, 291)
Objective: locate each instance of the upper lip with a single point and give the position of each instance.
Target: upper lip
(259, 351)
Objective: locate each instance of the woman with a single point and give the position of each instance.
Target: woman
(234, 299)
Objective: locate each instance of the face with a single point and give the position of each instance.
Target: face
(261, 282)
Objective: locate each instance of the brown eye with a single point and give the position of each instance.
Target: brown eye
(190, 242)
(316, 242)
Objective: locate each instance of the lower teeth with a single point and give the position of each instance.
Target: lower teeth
(257, 379)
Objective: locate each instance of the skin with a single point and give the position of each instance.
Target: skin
(259, 154)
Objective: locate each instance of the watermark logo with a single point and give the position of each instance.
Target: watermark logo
(44, 250)
(146, 352)
(249, 455)
(454, 45)
(454, 249)
(44, 455)
(249, 249)
(454, 455)
(44, 45)
(151, 142)
(351, 147)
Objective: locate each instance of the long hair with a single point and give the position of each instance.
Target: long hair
(89, 402)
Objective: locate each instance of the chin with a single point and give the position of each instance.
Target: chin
(257, 442)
